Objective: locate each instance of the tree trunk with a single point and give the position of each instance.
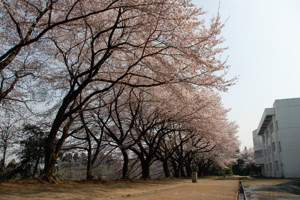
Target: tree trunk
(2, 167)
(146, 169)
(51, 155)
(166, 169)
(125, 164)
(35, 169)
(200, 170)
(145, 160)
(188, 170)
(183, 172)
(179, 170)
(175, 169)
(52, 148)
(49, 172)
(89, 175)
(89, 165)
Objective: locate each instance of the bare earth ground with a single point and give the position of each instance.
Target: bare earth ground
(208, 189)
(263, 188)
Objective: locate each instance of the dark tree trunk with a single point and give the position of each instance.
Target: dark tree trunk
(179, 169)
(188, 167)
(51, 155)
(200, 170)
(125, 164)
(2, 166)
(188, 170)
(89, 175)
(183, 172)
(52, 145)
(175, 169)
(145, 160)
(166, 169)
(49, 172)
(89, 165)
(146, 169)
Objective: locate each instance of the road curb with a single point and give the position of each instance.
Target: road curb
(242, 194)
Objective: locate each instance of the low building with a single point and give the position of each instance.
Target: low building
(277, 139)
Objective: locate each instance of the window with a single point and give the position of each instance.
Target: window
(258, 154)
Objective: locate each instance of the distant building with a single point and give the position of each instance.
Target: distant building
(277, 140)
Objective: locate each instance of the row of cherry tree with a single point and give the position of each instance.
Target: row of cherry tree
(176, 127)
(141, 76)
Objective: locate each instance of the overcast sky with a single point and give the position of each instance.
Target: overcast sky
(263, 37)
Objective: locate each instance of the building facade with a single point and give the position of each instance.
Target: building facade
(277, 140)
(258, 151)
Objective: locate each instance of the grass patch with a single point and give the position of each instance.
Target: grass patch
(274, 193)
(264, 182)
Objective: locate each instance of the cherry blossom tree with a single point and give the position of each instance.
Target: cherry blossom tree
(170, 144)
(147, 132)
(92, 46)
(225, 143)
(119, 120)
(204, 128)
(90, 139)
(23, 36)
(139, 44)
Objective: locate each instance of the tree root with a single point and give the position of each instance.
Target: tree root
(52, 179)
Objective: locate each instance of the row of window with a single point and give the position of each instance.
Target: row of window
(271, 147)
(258, 154)
(270, 130)
(269, 152)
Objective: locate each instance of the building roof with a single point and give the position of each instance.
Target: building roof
(265, 119)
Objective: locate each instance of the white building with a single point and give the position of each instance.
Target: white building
(277, 139)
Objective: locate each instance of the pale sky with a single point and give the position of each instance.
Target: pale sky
(263, 37)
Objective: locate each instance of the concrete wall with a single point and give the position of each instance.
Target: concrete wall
(287, 114)
(279, 129)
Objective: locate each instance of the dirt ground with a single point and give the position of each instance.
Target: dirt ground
(127, 190)
(204, 189)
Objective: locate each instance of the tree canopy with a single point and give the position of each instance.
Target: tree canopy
(140, 78)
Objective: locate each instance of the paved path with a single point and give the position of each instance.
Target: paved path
(207, 189)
